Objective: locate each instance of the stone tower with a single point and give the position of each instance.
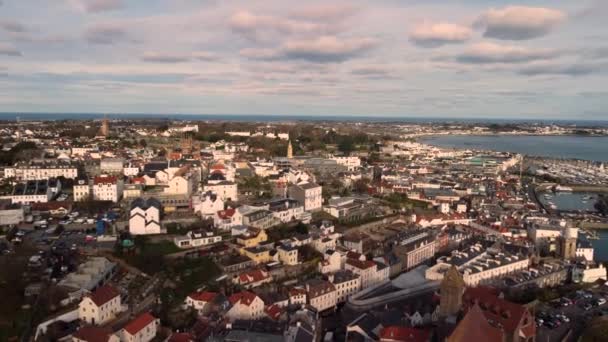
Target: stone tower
(568, 243)
(289, 150)
(105, 127)
(452, 288)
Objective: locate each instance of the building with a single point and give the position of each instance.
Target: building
(202, 302)
(588, 273)
(113, 166)
(196, 239)
(253, 237)
(41, 170)
(452, 288)
(258, 254)
(346, 283)
(413, 253)
(515, 320)
(286, 209)
(246, 306)
(309, 194)
(94, 334)
(145, 216)
(567, 243)
(107, 188)
(207, 204)
(225, 190)
(252, 278)
(101, 306)
(475, 327)
(29, 192)
(141, 329)
(367, 270)
(288, 255)
(584, 250)
(81, 190)
(321, 294)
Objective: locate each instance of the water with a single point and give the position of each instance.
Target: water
(600, 247)
(571, 201)
(284, 117)
(570, 147)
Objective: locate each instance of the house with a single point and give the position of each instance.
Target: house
(100, 306)
(333, 261)
(252, 278)
(475, 327)
(321, 294)
(252, 238)
(258, 254)
(286, 209)
(395, 333)
(515, 320)
(368, 270)
(346, 283)
(81, 190)
(94, 334)
(288, 255)
(196, 239)
(226, 219)
(141, 329)
(309, 194)
(246, 306)
(225, 190)
(107, 188)
(205, 302)
(144, 216)
(297, 296)
(207, 204)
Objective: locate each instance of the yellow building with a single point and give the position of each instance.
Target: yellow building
(252, 238)
(257, 254)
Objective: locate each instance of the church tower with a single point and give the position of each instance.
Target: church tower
(105, 127)
(452, 288)
(289, 150)
(567, 242)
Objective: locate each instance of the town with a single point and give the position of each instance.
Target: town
(159, 230)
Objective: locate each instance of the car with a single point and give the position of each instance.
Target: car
(601, 301)
(587, 307)
(550, 324)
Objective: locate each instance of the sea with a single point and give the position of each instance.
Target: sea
(569, 147)
(290, 118)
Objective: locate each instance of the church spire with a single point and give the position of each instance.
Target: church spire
(289, 150)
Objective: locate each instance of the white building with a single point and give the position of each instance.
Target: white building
(309, 194)
(346, 283)
(588, 273)
(288, 255)
(207, 204)
(196, 239)
(107, 188)
(81, 190)
(225, 190)
(245, 306)
(112, 165)
(352, 163)
(200, 301)
(101, 306)
(321, 294)
(144, 217)
(367, 270)
(141, 329)
(41, 171)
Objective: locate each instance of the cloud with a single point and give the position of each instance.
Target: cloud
(9, 50)
(324, 13)
(488, 53)
(327, 48)
(572, 69)
(519, 22)
(157, 57)
(373, 72)
(12, 26)
(96, 6)
(435, 35)
(164, 58)
(106, 34)
(262, 28)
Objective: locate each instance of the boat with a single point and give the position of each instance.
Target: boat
(561, 188)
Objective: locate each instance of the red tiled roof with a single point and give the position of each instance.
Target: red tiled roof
(252, 276)
(181, 337)
(104, 294)
(105, 180)
(297, 292)
(203, 296)
(225, 214)
(93, 334)
(138, 180)
(361, 264)
(139, 323)
(404, 334)
(244, 297)
(273, 311)
(495, 309)
(475, 327)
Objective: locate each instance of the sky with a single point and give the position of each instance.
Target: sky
(389, 58)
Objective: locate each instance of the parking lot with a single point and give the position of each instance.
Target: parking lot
(555, 319)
